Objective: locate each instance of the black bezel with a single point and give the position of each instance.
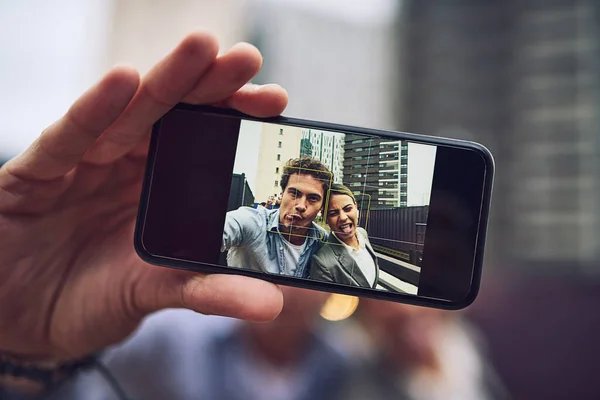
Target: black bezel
(459, 146)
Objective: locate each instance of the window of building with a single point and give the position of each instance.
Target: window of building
(278, 157)
(279, 144)
(276, 183)
(281, 131)
(276, 170)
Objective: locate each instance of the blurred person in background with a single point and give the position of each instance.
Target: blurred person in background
(181, 356)
(269, 203)
(417, 353)
(386, 351)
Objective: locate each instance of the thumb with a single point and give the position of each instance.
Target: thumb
(212, 294)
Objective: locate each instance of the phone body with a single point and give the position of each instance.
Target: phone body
(392, 215)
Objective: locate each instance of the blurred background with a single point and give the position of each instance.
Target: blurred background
(520, 77)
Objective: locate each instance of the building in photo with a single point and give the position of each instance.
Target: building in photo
(278, 144)
(417, 163)
(361, 166)
(327, 147)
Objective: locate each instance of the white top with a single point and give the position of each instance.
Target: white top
(292, 255)
(363, 258)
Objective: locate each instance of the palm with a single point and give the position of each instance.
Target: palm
(67, 213)
(83, 237)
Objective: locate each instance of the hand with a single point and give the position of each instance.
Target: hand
(71, 280)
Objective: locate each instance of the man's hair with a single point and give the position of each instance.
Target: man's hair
(263, 203)
(307, 166)
(338, 188)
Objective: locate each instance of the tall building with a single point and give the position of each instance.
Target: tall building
(361, 166)
(555, 106)
(393, 174)
(377, 168)
(327, 147)
(522, 78)
(278, 144)
(417, 163)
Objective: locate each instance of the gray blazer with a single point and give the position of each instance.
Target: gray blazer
(332, 263)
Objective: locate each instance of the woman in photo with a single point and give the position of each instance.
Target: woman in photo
(348, 257)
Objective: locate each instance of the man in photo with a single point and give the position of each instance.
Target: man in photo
(281, 240)
(348, 257)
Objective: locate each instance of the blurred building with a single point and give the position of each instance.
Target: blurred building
(335, 58)
(522, 78)
(142, 32)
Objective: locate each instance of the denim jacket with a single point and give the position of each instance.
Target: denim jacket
(251, 237)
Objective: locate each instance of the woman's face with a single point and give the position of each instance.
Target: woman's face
(342, 216)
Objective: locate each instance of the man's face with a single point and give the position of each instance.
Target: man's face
(342, 216)
(301, 201)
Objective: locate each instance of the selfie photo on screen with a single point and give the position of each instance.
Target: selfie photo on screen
(327, 206)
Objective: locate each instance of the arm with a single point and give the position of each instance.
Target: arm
(235, 231)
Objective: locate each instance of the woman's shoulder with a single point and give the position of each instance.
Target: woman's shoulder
(325, 249)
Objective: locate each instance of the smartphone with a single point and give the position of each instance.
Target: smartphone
(370, 213)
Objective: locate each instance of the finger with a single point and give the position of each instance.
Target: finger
(264, 101)
(162, 88)
(227, 74)
(62, 145)
(214, 294)
(259, 100)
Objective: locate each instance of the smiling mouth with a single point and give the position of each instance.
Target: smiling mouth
(345, 228)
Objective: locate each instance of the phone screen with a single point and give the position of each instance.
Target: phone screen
(314, 205)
